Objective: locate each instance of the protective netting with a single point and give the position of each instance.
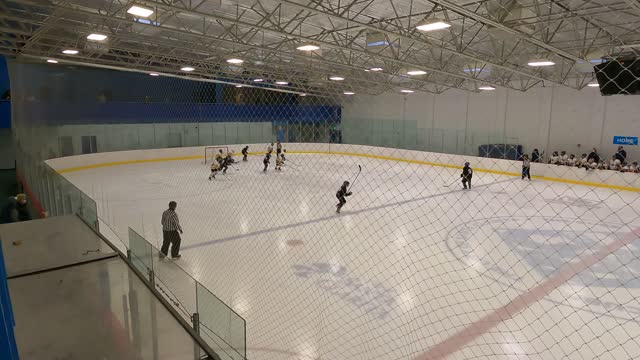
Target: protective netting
(414, 266)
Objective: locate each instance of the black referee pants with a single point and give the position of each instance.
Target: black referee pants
(171, 238)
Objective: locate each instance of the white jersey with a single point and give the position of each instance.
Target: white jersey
(571, 162)
(555, 160)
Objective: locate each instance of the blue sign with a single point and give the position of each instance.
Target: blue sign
(625, 140)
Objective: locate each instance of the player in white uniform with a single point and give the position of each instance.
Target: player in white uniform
(214, 169)
(571, 161)
(563, 158)
(554, 159)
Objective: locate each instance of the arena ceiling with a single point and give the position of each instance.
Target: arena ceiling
(488, 44)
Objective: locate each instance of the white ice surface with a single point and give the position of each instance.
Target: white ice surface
(408, 264)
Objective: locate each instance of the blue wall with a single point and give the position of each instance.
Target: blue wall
(5, 106)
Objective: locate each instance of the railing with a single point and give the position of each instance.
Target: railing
(221, 327)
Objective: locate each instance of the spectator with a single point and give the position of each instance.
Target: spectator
(16, 210)
(621, 155)
(170, 229)
(535, 156)
(594, 155)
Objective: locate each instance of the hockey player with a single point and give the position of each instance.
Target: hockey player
(535, 156)
(267, 159)
(214, 169)
(279, 162)
(613, 163)
(341, 194)
(583, 162)
(228, 160)
(563, 158)
(245, 152)
(554, 159)
(284, 151)
(220, 157)
(270, 149)
(467, 174)
(571, 161)
(526, 168)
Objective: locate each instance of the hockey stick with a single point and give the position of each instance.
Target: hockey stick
(354, 180)
(453, 183)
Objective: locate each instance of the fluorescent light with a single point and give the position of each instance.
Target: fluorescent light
(187, 68)
(376, 69)
(416, 72)
(279, 82)
(258, 80)
(238, 86)
(540, 62)
(303, 94)
(593, 84)
(51, 61)
(349, 93)
(140, 11)
(70, 52)
(336, 78)
(97, 37)
(486, 87)
(406, 91)
(235, 61)
(432, 25)
(154, 74)
(308, 47)
(367, 70)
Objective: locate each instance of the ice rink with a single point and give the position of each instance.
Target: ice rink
(411, 269)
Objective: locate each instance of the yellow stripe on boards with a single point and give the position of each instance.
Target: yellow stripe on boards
(369, 156)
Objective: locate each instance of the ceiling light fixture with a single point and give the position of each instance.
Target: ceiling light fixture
(308, 47)
(336, 78)
(376, 69)
(406, 91)
(432, 25)
(238, 86)
(70, 52)
(540, 62)
(235, 61)
(258, 80)
(97, 37)
(51, 61)
(486, 87)
(140, 11)
(349, 93)
(187, 68)
(593, 84)
(303, 94)
(416, 72)
(154, 74)
(279, 82)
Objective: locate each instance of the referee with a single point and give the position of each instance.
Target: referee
(170, 228)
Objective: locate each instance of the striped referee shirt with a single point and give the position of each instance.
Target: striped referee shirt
(170, 221)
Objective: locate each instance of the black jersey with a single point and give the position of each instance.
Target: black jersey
(267, 157)
(467, 172)
(343, 191)
(245, 150)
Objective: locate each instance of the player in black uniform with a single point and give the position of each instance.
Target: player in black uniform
(245, 152)
(278, 148)
(267, 158)
(341, 194)
(467, 174)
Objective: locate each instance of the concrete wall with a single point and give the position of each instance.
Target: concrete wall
(555, 118)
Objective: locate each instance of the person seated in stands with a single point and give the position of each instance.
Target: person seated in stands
(593, 164)
(603, 165)
(626, 168)
(634, 167)
(563, 157)
(584, 161)
(535, 156)
(621, 155)
(15, 210)
(554, 159)
(594, 155)
(614, 163)
(571, 161)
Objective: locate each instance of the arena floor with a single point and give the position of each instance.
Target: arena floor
(410, 270)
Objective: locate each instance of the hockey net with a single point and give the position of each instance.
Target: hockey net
(211, 151)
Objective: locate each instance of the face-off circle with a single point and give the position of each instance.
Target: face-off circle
(522, 252)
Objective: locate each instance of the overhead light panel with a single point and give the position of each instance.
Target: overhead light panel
(140, 11)
(406, 91)
(280, 82)
(97, 37)
(336, 78)
(238, 86)
(154, 74)
(432, 25)
(308, 47)
(235, 61)
(51, 61)
(416, 72)
(349, 93)
(70, 52)
(258, 80)
(303, 94)
(593, 84)
(376, 69)
(187, 68)
(486, 87)
(540, 62)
